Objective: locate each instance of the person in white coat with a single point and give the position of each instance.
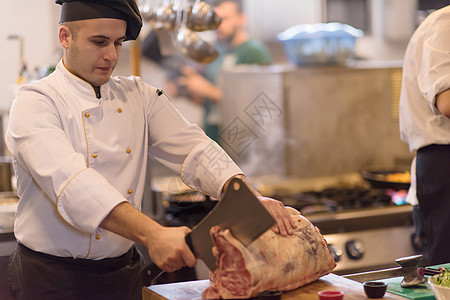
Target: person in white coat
(425, 126)
(80, 140)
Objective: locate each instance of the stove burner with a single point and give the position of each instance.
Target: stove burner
(336, 200)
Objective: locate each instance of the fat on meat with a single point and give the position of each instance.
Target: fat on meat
(271, 262)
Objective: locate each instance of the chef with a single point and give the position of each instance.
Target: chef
(425, 126)
(80, 140)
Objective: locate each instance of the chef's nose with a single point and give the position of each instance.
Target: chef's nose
(111, 52)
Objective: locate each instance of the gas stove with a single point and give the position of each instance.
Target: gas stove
(336, 200)
(336, 210)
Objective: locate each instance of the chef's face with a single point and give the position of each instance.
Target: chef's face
(92, 48)
(232, 21)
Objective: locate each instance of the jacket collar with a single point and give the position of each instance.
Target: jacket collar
(80, 86)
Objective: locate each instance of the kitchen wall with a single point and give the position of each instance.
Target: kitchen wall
(392, 24)
(266, 18)
(36, 22)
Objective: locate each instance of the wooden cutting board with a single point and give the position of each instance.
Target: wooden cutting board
(192, 290)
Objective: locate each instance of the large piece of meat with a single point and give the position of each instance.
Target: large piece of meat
(272, 262)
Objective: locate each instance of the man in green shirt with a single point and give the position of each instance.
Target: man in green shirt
(235, 47)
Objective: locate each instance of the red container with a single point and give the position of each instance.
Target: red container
(331, 295)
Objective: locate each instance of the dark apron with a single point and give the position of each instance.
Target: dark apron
(433, 193)
(35, 275)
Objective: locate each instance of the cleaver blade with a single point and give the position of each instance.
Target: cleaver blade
(240, 211)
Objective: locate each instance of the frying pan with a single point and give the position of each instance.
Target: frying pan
(377, 177)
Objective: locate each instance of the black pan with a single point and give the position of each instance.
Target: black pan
(378, 178)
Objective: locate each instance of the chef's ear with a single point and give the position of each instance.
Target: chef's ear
(65, 35)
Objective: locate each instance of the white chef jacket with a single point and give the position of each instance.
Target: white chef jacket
(76, 157)
(426, 73)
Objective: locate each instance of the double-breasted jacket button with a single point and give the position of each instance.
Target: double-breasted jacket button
(128, 150)
(130, 191)
(98, 236)
(87, 115)
(94, 155)
(119, 110)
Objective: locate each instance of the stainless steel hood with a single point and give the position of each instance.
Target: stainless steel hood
(311, 121)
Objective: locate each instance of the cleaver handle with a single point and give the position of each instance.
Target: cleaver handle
(188, 240)
(375, 275)
(151, 271)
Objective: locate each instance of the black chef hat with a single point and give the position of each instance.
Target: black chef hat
(74, 10)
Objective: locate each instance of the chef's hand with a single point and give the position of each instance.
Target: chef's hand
(285, 223)
(168, 249)
(166, 245)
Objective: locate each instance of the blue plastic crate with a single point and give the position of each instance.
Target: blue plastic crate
(322, 43)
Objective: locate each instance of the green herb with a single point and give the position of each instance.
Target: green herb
(444, 278)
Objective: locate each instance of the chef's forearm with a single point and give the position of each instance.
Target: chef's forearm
(244, 179)
(443, 103)
(130, 223)
(214, 93)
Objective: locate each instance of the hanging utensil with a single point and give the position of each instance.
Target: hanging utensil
(190, 43)
(167, 16)
(195, 48)
(202, 17)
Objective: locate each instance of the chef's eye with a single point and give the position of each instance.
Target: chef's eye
(98, 42)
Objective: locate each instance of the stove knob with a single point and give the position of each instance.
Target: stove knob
(335, 251)
(354, 249)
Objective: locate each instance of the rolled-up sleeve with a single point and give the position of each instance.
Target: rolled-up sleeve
(207, 168)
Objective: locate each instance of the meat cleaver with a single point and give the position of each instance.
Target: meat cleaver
(240, 211)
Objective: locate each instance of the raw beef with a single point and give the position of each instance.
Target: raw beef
(271, 262)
